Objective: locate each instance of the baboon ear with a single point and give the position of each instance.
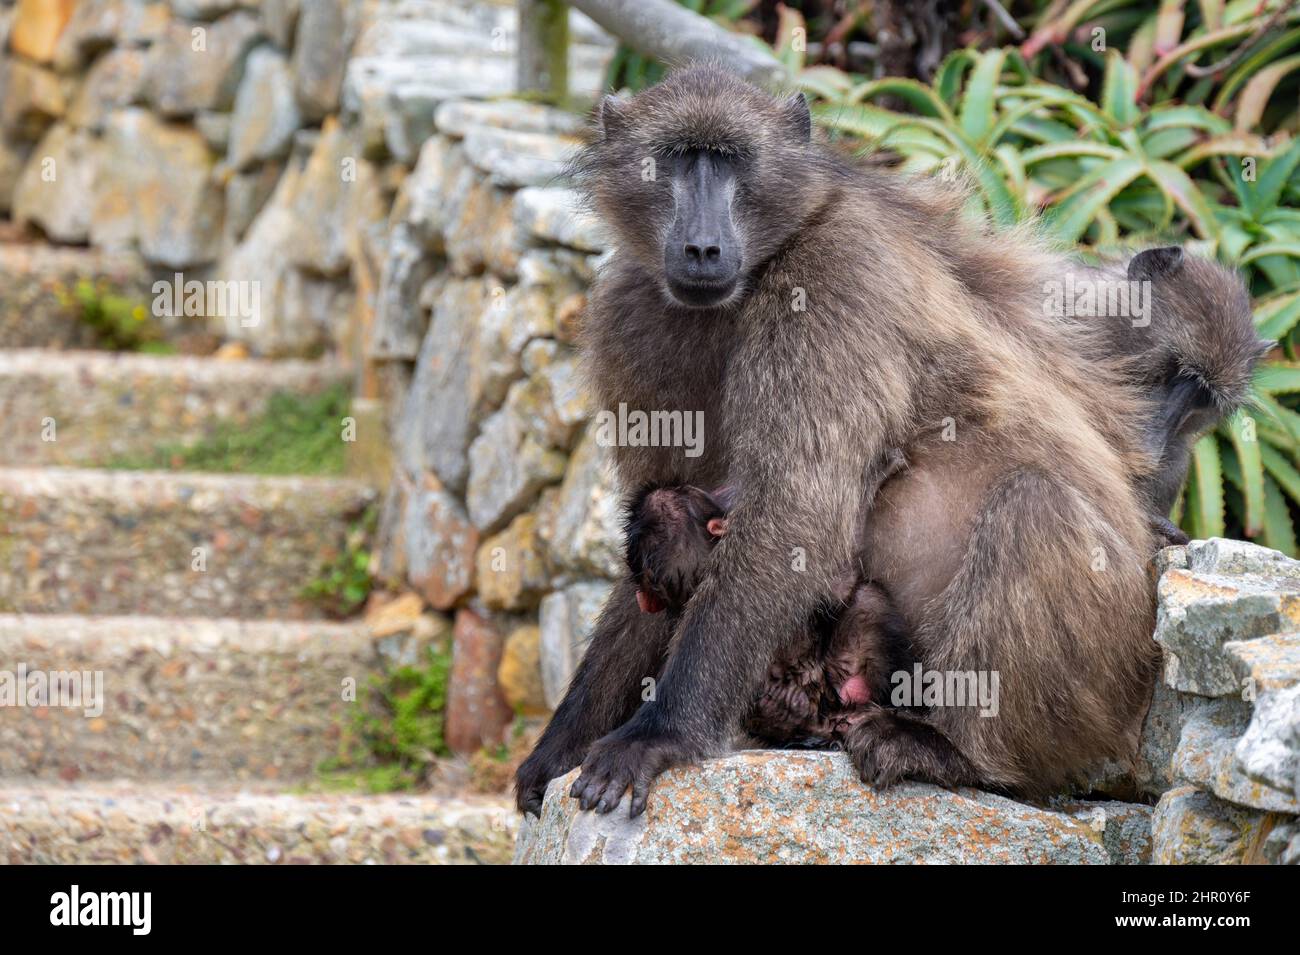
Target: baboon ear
(611, 116)
(1156, 263)
(796, 112)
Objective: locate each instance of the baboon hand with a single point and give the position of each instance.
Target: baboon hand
(628, 758)
(534, 774)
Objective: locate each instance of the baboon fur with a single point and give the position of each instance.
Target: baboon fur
(1020, 546)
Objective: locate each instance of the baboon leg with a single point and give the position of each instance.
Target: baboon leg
(887, 746)
(627, 646)
(1052, 599)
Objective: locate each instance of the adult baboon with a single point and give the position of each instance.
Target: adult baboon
(817, 315)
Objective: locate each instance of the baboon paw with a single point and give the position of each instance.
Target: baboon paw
(620, 762)
(533, 776)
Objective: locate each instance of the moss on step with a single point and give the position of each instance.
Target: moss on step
(294, 435)
(395, 731)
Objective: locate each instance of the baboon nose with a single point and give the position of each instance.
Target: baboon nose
(708, 253)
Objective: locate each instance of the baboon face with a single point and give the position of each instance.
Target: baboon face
(700, 189)
(670, 532)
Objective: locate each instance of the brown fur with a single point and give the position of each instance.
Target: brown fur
(1019, 547)
(856, 636)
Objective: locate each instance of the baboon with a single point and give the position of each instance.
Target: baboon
(1193, 354)
(817, 314)
(828, 671)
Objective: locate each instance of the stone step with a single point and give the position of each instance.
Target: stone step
(169, 543)
(88, 408)
(38, 308)
(184, 823)
(164, 697)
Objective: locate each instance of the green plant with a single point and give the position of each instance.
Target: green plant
(343, 584)
(395, 730)
(294, 434)
(119, 323)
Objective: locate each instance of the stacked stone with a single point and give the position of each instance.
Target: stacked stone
(1224, 729)
(362, 163)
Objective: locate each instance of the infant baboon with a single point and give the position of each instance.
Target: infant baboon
(825, 675)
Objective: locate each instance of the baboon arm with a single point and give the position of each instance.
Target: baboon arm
(626, 647)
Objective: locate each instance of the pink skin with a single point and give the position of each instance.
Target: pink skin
(854, 691)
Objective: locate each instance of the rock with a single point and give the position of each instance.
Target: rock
(265, 113)
(477, 714)
(759, 807)
(511, 567)
(400, 321)
(582, 524)
(101, 25)
(1161, 730)
(427, 195)
(1282, 845)
(54, 185)
(458, 117)
(31, 98)
(194, 67)
(1269, 751)
(555, 214)
(114, 80)
(555, 388)
(320, 55)
(13, 156)
(566, 618)
(1200, 610)
(156, 188)
(279, 20)
(205, 9)
(246, 194)
(440, 544)
(1192, 828)
(1206, 757)
(513, 317)
(1124, 828)
(1234, 557)
(520, 672)
(37, 26)
(333, 199)
(436, 424)
(509, 462)
(481, 233)
(215, 129)
(403, 632)
(516, 159)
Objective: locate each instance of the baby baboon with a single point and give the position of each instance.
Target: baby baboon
(829, 670)
(816, 314)
(1194, 353)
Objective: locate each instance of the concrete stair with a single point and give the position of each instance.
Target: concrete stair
(100, 406)
(227, 700)
(222, 689)
(180, 822)
(157, 543)
(36, 310)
